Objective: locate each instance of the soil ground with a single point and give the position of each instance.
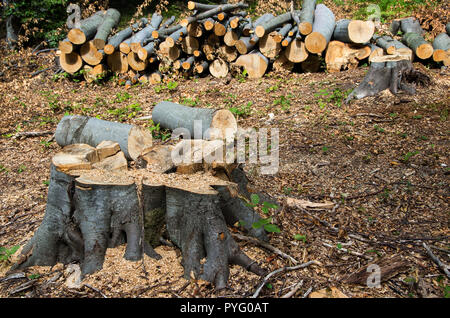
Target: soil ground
(382, 161)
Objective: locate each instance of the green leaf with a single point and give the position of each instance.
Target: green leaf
(254, 198)
(261, 222)
(300, 237)
(265, 210)
(272, 228)
(270, 205)
(339, 246)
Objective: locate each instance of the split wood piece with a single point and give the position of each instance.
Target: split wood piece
(65, 46)
(175, 37)
(145, 52)
(388, 268)
(155, 78)
(195, 29)
(219, 68)
(296, 51)
(306, 17)
(282, 64)
(145, 35)
(256, 64)
(88, 28)
(158, 159)
(342, 55)
(441, 46)
(171, 53)
(219, 29)
(269, 46)
(136, 63)
(119, 37)
(323, 27)
(189, 44)
(133, 140)
(107, 148)
(112, 18)
(212, 12)
(271, 25)
(227, 53)
(116, 162)
(395, 75)
(202, 67)
(354, 31)
(188, 63)
(90, 54)
(376, 51)
(311, 64)
(118, 62)
(71, 62)
(385, 42)
(215, 124)
(421, 48)
(92, 74)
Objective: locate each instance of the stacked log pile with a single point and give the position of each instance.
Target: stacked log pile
(219, 39)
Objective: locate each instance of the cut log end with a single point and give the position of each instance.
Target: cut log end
(360, 31)
(65, 47)
(315, 43)
(76, 36)
(71, 62)
(305, 28)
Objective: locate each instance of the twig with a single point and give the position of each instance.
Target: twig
(37, 47)
(349, 252)
(96, 290)
(441, 265)
(26, 134)
(46, 50)
(369, 114)
(266, 246)
(293, 290)
(292, 268)
(39, 72)
(307, 292)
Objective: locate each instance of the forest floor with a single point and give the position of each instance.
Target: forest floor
(382, 162)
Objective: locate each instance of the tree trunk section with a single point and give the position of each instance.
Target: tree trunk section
(323, 28)
(306, 17)
(354, 31)
(71, 62)
(296, 51)
(111, 19)
(88, 28)
(420, 47)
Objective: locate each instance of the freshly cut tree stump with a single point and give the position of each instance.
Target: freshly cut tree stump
(71, 62)
(215, 124)
(88, 28)
(323, 28)
(133, 140)
(395, 75)
(112, 18)
(354, 31)
(306, 17)
(344, 56)
(256, 64)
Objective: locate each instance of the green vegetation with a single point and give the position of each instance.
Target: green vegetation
(388, 9)
(265, 207)
(242, 111)
(6, 253)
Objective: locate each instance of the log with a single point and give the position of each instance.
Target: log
(219, 68)
(411, 25)
(421, 48)
(323, 27)
(354, 31)
(306, 17)
(145, 52)
(188, 63)
(111, 19)
(244, 45)
(171, 53)
(164, 32)
(119, 37)
(195, 29)
(231, 37)
(209, 52)
(124, 47)
(189, 44)
(375, 51)
(200, 6)
(208, 24)
(296, 51)
(271, 25)
(92, 74)
(291, 35)
(269, 46)
(136, 63)
(441, 46)
(202, 67)
(255, 63)
(71, 62)
(282, 33)
(395, 75)
(213, 12)
(65, 46)
(117, 62)
(90, 54)
(175, 37)
(88, 28)
(215, 124)
(219, 29)
(228, 53)
(133, 140)
(385, 42)
(145, 35)
(342, 55)
(155, 78)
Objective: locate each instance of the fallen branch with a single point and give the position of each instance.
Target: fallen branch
(26, 134)
(293, 290)
(266, 246)
(283, 269)
(435, 259)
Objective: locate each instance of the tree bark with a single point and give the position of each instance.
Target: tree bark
(88, 28)
(354, 31)
(11, 36)
(112, 18)
(323, 27)
(441, 45)
(255, 63)
(420, 47)
(271, 25)
(119, 37)
(306, 17)
(212, 12)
